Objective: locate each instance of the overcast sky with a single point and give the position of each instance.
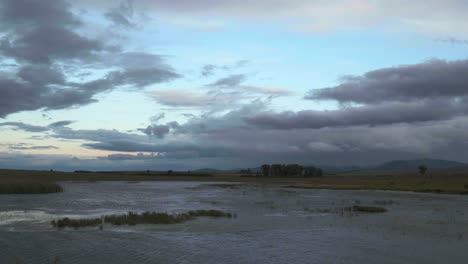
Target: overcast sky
(181, 84)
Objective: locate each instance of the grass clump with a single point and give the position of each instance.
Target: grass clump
(132, 218)
(226, 185)
(29, 188)
(367, 209)
(386, 202)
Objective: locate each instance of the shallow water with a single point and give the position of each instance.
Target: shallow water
(273, 225)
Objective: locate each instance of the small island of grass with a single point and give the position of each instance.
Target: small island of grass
(132, 218)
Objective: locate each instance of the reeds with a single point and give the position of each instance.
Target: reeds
(367, 209)
(132, 218)
(29, 188)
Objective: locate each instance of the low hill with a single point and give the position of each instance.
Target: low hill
(412, 164)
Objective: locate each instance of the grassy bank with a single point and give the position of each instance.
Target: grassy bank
(135, 218)
(441, 181)
(29, 188)
(422, 186)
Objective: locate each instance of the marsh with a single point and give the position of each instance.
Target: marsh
(272, 225)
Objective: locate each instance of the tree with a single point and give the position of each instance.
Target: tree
(266, 169)
(292, 170)
(319, 172)
(422, 169)
(276, 170)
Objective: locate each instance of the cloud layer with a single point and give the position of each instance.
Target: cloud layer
(43, 39)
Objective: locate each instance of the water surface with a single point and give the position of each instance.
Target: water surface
(273, 225)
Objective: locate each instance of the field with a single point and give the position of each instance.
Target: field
(442, 181)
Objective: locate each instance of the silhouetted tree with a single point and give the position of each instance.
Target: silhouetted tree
(276, 170)
(422, 169)
(319, 172)
(169, 172)
(290, 170)
(266, 169)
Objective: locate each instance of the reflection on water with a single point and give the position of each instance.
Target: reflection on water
(273, 225)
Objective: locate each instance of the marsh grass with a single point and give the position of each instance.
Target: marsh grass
(386, 202)
(226, 185)
(132, 218)
(367, 209)
(351, 210)
(29, 188)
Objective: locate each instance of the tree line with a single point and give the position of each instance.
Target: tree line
(290, 170)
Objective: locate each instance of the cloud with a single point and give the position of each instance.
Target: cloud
(169, 149)
(230, 81)
(122, 15)
(158, 131)
(51, 92)
(155, 119)
(319, 16)
(382, 114)
(269, 90)
(44, 44)
(431, 79)
(210, 69)
(454, 41)
(19, 13)
(323, 147)
(46, 39)
(227, 142)
(32, 147)
(33, 128)
(189, 98)
(60, 124)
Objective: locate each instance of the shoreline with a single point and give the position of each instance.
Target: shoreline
(444, 182)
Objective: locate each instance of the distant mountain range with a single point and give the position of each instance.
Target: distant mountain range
(390, 165)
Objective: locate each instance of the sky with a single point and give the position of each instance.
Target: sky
(181, 84)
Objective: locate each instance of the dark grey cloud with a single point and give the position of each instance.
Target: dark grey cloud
(171, 149)
(44, 39)
(45, 44)
(43, 31)
(346, 145)
(30, 13)
(227, 143)
(158, 131)
(51, 93)
(372, 115)
(98, 135)
(32, 147)
(34, 128)
(24, 127)
(41, 75)
(432, 79)
(60, 124)
(229, 81)
(212, 121)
